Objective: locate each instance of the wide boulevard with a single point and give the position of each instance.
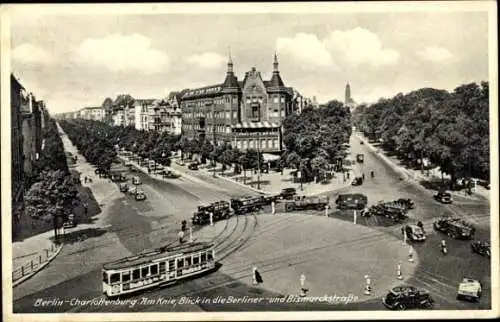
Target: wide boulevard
(132, 226)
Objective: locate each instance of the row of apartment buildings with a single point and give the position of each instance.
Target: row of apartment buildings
(246, 114)
(28, 118)
(163, 115)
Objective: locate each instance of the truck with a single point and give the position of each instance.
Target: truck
(356, 201)
(246, 204)
(219, 209)
(306, 203)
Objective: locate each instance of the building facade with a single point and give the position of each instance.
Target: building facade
(247, 114)
(18, 99)
(118, 117)
(142, 109)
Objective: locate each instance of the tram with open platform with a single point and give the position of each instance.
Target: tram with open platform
(162, 266)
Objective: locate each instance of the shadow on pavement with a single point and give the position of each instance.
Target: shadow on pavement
(71, 237)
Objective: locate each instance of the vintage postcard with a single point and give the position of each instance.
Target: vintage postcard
(254, 161)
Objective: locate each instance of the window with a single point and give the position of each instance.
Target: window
(209, 255)
(188, 261)
(203, 258)
(228, 115)
(180, 263)
(238, 144)
(276, 143)
(171, 265)
(282, 100)
(196, 260)
(136, 274)
(145, 271)
(269, 143)
(114, 278)
(235, 115)
(125, 276)
(154, 269)
(248, 100)
(275, 99)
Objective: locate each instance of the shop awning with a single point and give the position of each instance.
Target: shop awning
(255, 125)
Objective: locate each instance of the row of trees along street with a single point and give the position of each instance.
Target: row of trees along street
(314, 139)
(451, 130)
(51, 190)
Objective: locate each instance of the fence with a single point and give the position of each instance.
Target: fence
(35, 263)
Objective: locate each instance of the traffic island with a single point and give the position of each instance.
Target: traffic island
(295, 252)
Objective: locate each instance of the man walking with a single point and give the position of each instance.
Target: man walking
(85, 208)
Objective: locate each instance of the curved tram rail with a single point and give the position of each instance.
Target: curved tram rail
(162, 266)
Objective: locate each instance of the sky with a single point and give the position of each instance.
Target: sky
(78, 58)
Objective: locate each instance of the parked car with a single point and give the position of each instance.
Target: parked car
(123, 187)
(219, 209)
(414, 233)
(140, 195)
(132, 190)
(136, 180)
(443, 197)
(481, 248)
(193, 166)
(469, 289)
(180, 162)
(246, 204)
(287, 193)
(455, 228)
(407, 297)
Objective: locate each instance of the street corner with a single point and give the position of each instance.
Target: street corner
(335, 256)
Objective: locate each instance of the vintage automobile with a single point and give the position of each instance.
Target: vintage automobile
(355, 201)
(443, 197)
(360, 158)
(136, 180)
(388, 210)
(193, 166)
(70, 222)
(405, 202)
(180, 162)
(469, 289)
(287, 193)
(246, 204)
(132, 190)
(219, 209)
(407, 297)
(455, 228)
(140, 196)
(305, 203)
(481, 248)
(414, 233)
(357, 181)
(123, 187)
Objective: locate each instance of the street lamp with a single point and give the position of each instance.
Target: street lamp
(258, 160)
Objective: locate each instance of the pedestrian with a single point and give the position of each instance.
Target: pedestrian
(343, 178)
(85, 179)
(181, 237)
(90, 180)
(257, 278)
(363, 176)
(347, 175)
(273, 207)
(85, 208)
(183, 225)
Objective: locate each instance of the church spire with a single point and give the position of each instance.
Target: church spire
(275, 63)
(229, 62)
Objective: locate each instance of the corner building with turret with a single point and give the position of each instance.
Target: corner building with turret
(246, 114)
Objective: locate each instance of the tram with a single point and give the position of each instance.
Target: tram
(162, 266)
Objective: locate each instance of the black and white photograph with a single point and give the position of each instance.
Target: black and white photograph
(249, 161)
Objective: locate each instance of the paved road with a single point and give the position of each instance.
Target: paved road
(135, 226)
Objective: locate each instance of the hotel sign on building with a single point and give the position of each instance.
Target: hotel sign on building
(247, 114)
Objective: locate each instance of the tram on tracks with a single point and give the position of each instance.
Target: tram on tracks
(160, 267)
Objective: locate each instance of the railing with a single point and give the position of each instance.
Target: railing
(34, 264)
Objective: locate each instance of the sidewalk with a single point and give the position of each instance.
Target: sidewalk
(33, 253)
(417, 175)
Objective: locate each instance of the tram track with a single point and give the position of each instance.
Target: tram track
(245, 240)
(221, 247)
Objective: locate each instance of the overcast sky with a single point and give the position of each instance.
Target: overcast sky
(77, 60)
